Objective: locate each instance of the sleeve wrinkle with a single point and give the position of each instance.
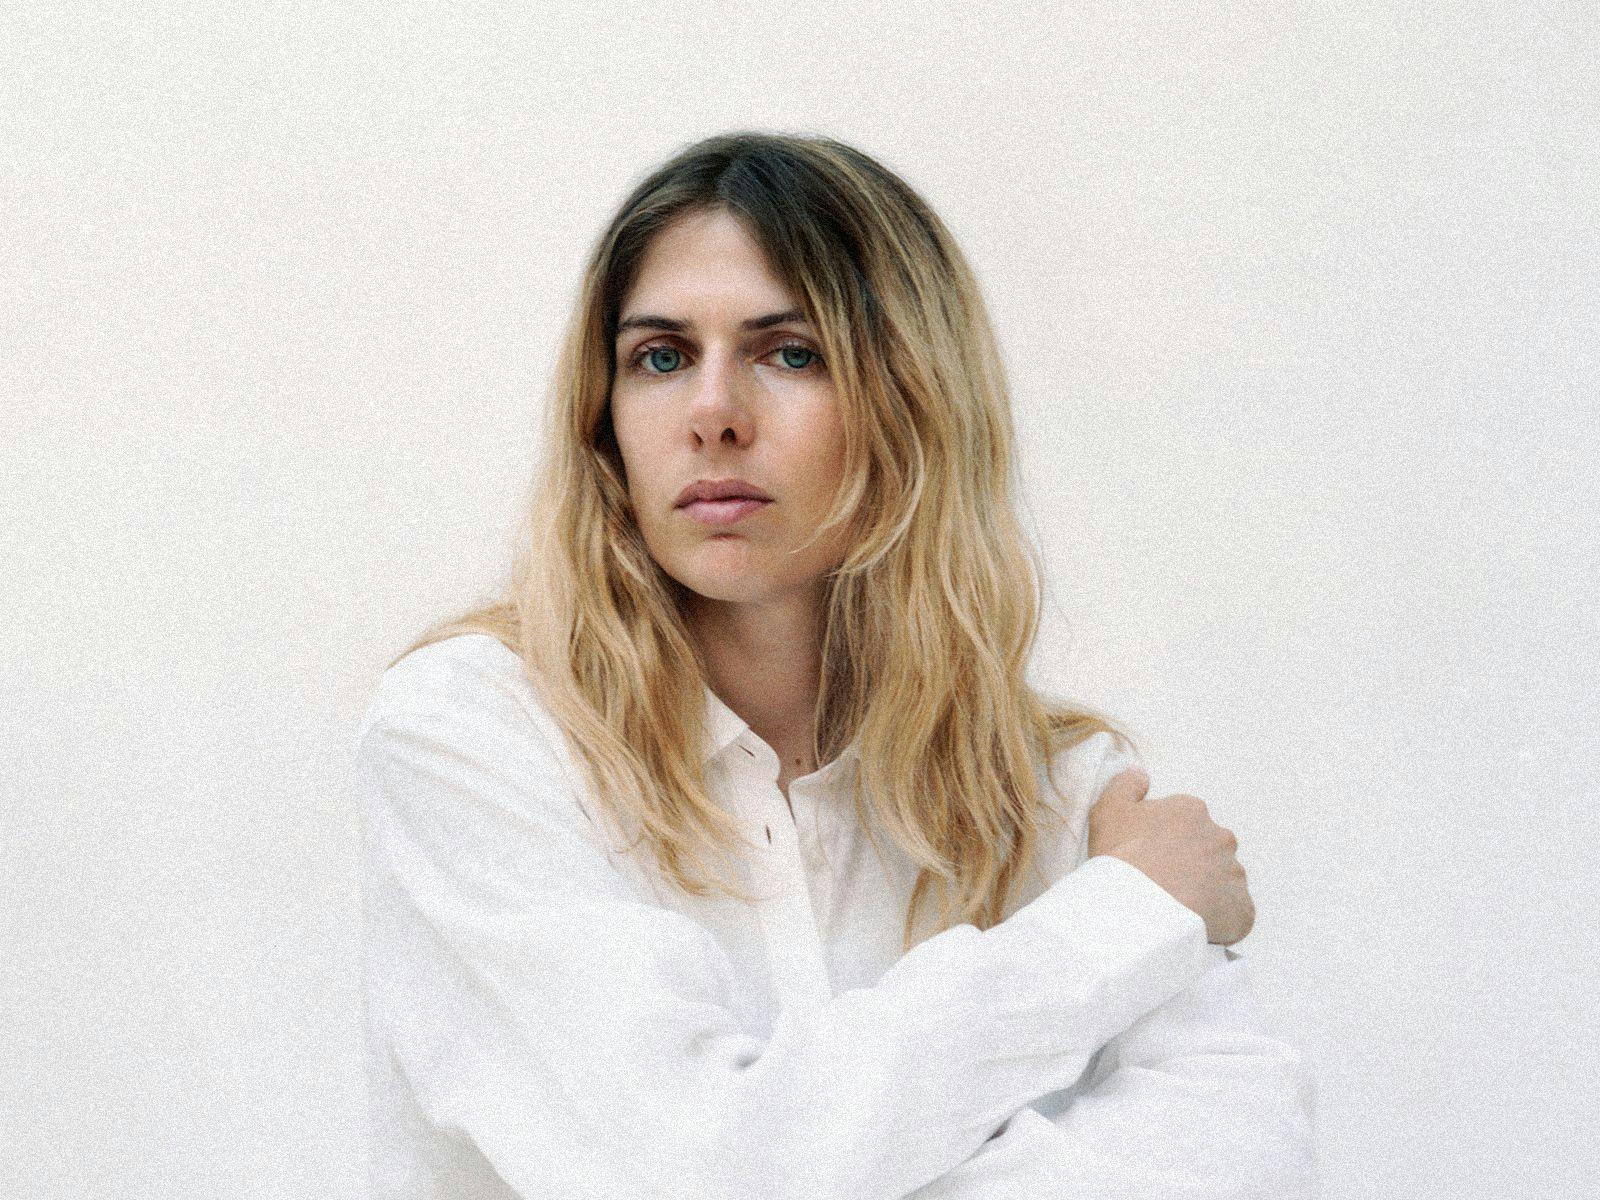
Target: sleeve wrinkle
(537, 1001)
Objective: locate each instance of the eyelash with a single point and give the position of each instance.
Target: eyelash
(642, 351)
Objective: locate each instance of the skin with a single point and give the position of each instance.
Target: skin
(714, 401)
(734, 403)
(1174, 841)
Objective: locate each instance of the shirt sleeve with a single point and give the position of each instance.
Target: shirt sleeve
(589, 1042)
(1196, 1099)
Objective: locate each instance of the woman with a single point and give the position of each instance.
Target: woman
(771, 609)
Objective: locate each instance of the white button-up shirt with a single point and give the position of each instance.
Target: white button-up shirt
(547, 1018)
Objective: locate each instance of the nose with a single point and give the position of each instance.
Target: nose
(718, 406)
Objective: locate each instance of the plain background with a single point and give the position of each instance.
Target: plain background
(1299, 305)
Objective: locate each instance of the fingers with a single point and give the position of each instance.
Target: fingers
(1127, 786)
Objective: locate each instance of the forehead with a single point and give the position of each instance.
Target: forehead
(706, 267)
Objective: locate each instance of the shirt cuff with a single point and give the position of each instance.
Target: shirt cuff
(1143, 899)
(1142, 943)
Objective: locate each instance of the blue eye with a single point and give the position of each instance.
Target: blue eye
(806, 350)
(650, 351)
(653, 351)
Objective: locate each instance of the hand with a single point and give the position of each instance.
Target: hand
(1173, 840)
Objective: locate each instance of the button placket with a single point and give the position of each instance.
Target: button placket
(815, 851)
(794, 943)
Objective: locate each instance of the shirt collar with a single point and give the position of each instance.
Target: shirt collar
(724, 726)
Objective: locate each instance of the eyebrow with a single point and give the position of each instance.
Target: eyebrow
(673, 325)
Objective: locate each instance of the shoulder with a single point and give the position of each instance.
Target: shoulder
(467, 675)
(459, 773)
(1081, 772)
(464, 698)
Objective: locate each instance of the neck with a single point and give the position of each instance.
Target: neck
(765, 662)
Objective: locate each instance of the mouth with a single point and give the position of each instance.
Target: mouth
(723, 512)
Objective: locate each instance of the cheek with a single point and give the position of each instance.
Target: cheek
(828, 457)
(633, 445)
(830, 423)
(815, 434)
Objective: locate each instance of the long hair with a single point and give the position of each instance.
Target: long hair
(932, 614)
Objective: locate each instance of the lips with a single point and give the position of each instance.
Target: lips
(722, 512)
(720, 489)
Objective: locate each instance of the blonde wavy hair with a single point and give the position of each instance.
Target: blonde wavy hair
(930, 617)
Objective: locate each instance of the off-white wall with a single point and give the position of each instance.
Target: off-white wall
(1299, 304)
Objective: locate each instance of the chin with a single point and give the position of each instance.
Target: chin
(732, 580)
(727, 589)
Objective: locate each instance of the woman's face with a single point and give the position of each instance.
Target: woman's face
(716, 400)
